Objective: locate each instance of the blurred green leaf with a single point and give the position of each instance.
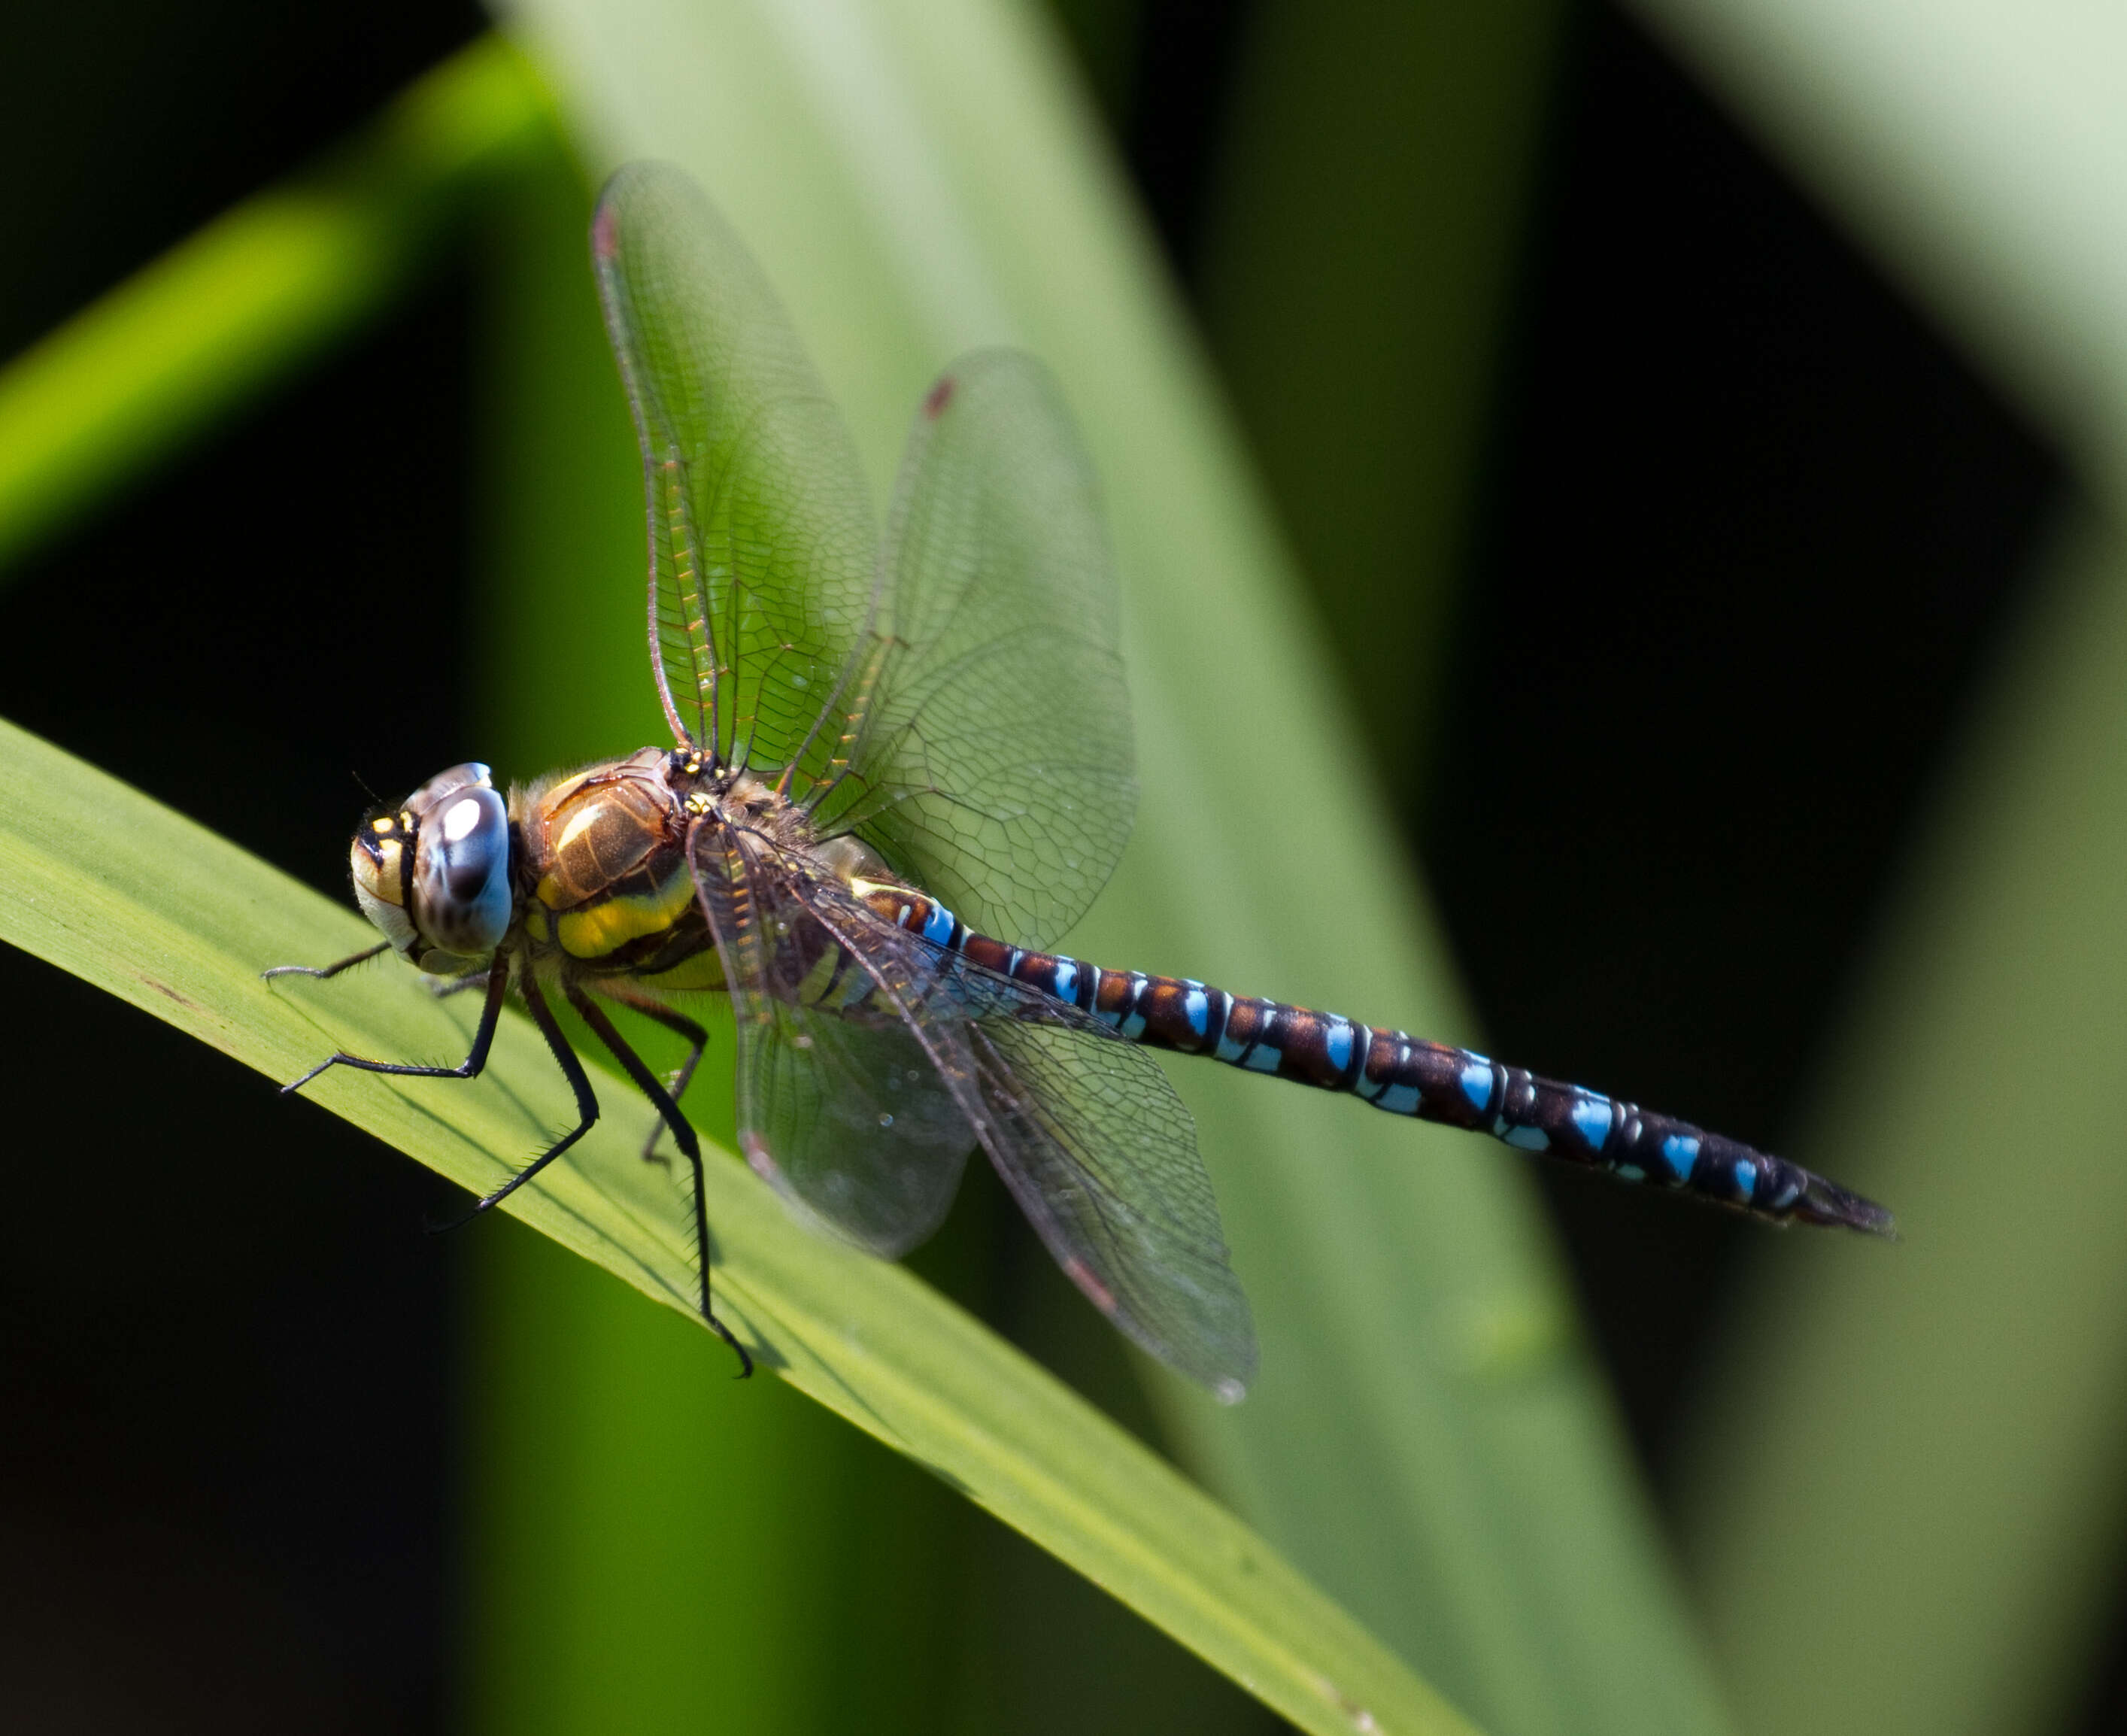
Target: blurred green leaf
(1908, 1472)
(1106, 42)
(1978, 151)
(253, 295)
(1428, 1434)
(1910, 1475)
(1357, 276)
(140, 902)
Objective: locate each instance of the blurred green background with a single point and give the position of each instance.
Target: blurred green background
(1695, 435)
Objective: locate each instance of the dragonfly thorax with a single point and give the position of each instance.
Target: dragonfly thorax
(606, 884)
(434, 876)
(755, 805)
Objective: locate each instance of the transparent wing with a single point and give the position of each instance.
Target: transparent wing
(991, 756)
(840, 1109)
(1084, 1127)
(761, 536)
(1101, 1156)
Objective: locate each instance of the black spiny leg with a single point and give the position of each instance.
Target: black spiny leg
(676, 1082)
(572, 1069)
(483, 1039)
(322, 971)
(638, 1070)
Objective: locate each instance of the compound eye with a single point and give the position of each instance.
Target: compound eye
(462, 892)
(434, 797)
(378, 860)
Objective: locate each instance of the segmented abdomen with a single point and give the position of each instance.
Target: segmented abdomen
(1406, 1075)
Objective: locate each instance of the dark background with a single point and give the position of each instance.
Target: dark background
(227, 1476)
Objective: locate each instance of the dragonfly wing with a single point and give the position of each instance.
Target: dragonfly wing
(1088, 1132)
(1102, 1155)
(840, 1107)
(852, 1122)
(992, 757)
(761, 536)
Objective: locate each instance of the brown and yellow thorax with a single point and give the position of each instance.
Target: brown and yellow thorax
(603, 864)
(605, 888)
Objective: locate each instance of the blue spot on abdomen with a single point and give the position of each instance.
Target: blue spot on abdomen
(938, 927)
(1680, 1151)
(1196, 1008)
(1476, 1081)
(1591, 1118)
(1337, 1043)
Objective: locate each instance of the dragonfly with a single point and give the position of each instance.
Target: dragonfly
(900, 768)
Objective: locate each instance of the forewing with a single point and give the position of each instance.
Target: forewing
(1087, 1131)
(840, 1107)
(762, 537)
(992, 759)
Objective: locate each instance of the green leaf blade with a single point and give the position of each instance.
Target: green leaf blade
(136, 900)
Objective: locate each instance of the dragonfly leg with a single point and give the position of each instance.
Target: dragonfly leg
(572, 1069)
(677, 1081)
(638, 1070)
(442, 987)
(323, 971)
(483, 1039)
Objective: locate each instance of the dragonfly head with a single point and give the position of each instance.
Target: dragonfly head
(434, 876)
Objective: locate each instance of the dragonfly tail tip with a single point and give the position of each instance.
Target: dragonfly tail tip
(1826, 1202)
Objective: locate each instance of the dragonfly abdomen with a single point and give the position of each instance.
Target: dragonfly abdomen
(1402, 1074)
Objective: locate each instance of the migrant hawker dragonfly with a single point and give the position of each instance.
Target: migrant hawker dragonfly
(899, 770)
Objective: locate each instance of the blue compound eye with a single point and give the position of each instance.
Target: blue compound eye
(461, 904)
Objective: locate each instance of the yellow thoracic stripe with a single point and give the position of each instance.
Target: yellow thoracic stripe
(703, 972)
(598, 929)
